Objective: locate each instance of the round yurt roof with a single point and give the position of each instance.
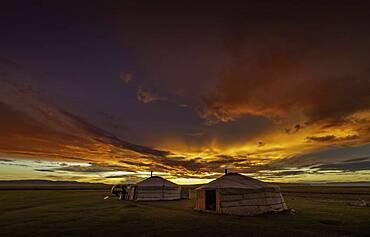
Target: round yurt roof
(156, 181)
(237, 181)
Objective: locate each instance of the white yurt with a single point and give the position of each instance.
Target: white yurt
(236, 194)
(154, 188)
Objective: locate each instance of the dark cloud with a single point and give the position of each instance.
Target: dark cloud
(183, 166)
(288, 173)
(123, 176)
(14, 163)
(85, 169)
(278, 68)
(182, 163)
(146, 96)
(358, 159)
(6, 160)
(331, 138)
(117, 176)
(322, 139)
(230, 134)
(340, 156)
(280, 174)
(189, 176)
(295, 128)
(111, 138)
(346, 166)
(44, 170)
(92, 168)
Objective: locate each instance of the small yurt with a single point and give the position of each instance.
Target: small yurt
(236, 194)
(154, 188)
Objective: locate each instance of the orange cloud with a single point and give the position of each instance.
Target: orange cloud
(126, 77)
(290, 73)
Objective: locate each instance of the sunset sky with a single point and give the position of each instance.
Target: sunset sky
(107, 92)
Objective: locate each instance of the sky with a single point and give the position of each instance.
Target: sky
(104, 91)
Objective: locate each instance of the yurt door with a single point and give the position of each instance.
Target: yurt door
(211, 200)
(134, 193)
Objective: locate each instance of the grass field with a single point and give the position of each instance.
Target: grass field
(86, 213)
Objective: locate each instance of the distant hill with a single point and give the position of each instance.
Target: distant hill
(48, 184)
(333, 184)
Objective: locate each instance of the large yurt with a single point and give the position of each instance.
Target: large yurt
(236, 194)
(154, 188)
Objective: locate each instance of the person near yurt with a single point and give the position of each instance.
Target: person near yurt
(154, 188)
(236, 194)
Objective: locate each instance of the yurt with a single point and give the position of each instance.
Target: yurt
(154, 188)
(236, 194)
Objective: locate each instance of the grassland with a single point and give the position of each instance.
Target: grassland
(86, 213)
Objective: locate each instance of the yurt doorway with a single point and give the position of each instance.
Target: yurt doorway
(211, 200)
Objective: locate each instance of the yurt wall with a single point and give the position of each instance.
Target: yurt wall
(157, 193)
(239, 195)
(251, 203)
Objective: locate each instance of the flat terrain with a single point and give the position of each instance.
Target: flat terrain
(86, 213)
